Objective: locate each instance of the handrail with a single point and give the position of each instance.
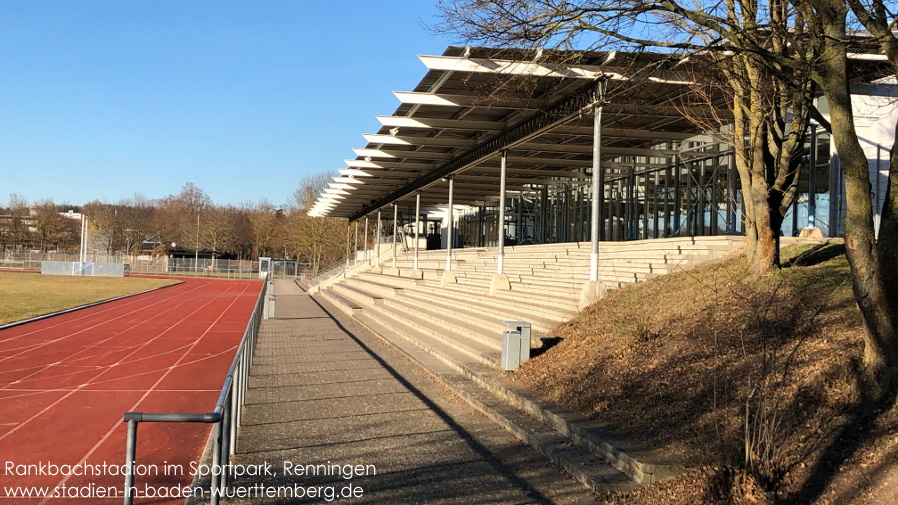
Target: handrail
(226, 416)
(332, 270)
(874, 144)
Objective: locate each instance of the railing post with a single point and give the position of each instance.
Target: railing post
(241, 365)
(226, 439)
(216, 461)
(131, 452)
(232, 412)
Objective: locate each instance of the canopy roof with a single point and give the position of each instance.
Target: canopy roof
(474, 102)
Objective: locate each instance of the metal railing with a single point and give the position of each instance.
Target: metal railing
(190, 267)
(334, 270)
(226, 417)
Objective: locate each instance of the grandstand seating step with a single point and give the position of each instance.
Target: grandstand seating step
(491, 310)
(472, 325)
(377, 288)
(516, 297)
(412, 326)
(344, 304)
(356, 295)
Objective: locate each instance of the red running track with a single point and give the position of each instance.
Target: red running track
(65, 382)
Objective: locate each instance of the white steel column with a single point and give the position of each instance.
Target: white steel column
(83, 232)
(366, 239)
(812, 179)
(448, 276)
(355, 258)
(377, 242)
(395, 220)
(597, 187)
(348, 236)
(417, 225)
(594, 289)
(502, 175)
(449, 226)
(500, 280)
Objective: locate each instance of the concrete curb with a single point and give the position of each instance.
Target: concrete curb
(570, 425)
(80, 307)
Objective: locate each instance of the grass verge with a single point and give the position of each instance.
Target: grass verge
(27, 295)
(751, 382)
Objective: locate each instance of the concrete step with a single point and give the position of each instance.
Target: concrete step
(534, 283)
(488, 309)
(451, 322)
(530, 301)
(487, 352)
(345, 305)
(356, 295)
(562, 289)
(387, 279)
(422, 265)
(373, 287)
(549, 308)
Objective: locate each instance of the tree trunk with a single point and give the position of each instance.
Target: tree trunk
(764, 257)
(875, 298)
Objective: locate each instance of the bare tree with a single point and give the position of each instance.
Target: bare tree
(218, 230)
(136, 217)
(193, 202)
(50, 227)
(105, 223)
(771, 118)
(264, 221)
(319, 240)
(16, 229)
(783, 47)
(873, 259)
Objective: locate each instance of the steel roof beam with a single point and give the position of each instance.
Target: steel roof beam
(447, 124)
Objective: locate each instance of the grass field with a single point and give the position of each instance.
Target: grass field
(26, 295)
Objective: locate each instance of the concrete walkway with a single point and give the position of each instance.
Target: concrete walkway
(325, 391)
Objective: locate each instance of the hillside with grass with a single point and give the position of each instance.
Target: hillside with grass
(752, 383)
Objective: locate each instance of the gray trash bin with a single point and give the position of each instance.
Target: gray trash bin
(268, 309)
(515, 345)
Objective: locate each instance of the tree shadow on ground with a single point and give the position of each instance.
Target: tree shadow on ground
(861, 418)
(820, 253)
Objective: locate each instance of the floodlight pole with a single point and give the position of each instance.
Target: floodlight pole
(196, 259)
(83, 238)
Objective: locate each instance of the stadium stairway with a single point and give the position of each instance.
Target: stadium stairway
(545, 282)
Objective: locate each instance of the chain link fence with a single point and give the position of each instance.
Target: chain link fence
(192, 267)
(31, 260)
(150, 265)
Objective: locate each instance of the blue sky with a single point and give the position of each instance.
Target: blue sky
(103, 99)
